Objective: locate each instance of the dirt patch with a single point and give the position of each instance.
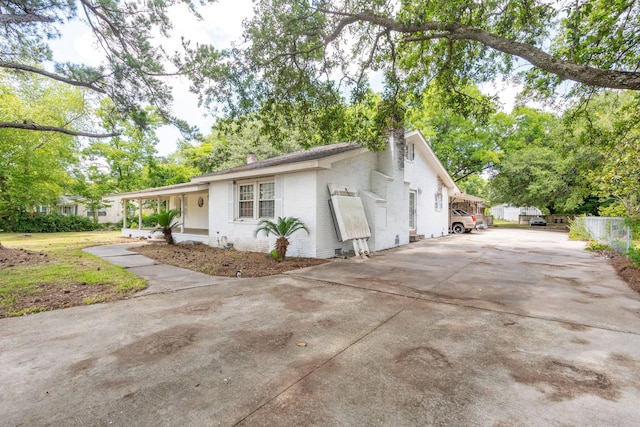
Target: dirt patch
(295, 299)
(11, 257)
(560, 380)
(52, 296)
(262, 341)
(158, 345)
(426, 356)
(218, 262)
(427, 369)
(627, 271)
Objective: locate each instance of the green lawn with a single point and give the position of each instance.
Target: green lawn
(68, 268)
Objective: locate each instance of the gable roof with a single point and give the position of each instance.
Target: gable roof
(432, 159)
(313, 153)
(313, 158)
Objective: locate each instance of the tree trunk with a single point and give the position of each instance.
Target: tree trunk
(281, 247)
(168, 235)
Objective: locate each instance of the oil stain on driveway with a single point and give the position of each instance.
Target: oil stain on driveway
(500, 327)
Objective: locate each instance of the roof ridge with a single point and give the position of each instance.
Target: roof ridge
(311, 153)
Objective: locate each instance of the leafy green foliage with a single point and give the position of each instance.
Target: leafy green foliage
(126, 154)
(578, 230)
(634, 256)
(302, 65)
(544, 165)
(283, 228)
(221, 150)
(610, 125)
(465, 145)
(598, 247)
(33, 165)
(129, 34)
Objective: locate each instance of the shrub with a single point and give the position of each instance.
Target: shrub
(598, 247)
(634, 256)
(52, 223)
(577, 229)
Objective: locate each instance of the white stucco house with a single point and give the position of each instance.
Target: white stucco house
(404, 191)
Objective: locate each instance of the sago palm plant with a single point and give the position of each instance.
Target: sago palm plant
(166, 221)
(282, 229)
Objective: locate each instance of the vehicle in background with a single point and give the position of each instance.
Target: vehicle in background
(462, 222)
(537, 220)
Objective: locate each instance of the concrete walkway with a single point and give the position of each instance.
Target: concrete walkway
(160, 278)
(496, 328)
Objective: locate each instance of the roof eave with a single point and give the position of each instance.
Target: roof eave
(286, 168)
(164, 191)
(433, 159)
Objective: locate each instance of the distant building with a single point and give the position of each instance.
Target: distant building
(507, 212)
(73, 205)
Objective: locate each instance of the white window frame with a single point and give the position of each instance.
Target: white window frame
(410, 151)
(438, 201)
(255, 200)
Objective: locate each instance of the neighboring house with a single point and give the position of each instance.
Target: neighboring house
(512, 213)
(73, 205)
(403, 190)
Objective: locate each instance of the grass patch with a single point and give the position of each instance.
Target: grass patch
(65, 277)
(597, 247)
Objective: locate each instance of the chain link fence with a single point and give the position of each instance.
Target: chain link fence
(609, 231)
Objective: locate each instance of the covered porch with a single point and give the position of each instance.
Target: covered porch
(191, 200)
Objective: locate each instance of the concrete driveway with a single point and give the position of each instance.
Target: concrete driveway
(497, 328)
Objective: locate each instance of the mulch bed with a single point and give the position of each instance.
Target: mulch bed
(219, 262)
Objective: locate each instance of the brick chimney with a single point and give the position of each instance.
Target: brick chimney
(251, 158)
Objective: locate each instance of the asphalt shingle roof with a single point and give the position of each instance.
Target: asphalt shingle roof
(313, 153)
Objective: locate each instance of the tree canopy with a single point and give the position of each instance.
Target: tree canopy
(302, 61)
(126, 31)
(33, 166)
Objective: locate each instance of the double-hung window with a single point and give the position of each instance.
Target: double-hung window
(266, 199)
(256, 199)
(438, 201)
(246, 195)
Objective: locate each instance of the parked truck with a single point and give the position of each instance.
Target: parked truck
(462, 222)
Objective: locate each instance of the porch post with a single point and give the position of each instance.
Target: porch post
(124, 213)
(139, 214)
(182, 213)
(158, 207)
